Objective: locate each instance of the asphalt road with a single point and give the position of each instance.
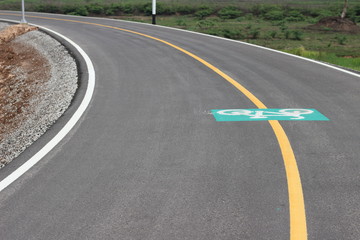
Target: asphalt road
(148, 160)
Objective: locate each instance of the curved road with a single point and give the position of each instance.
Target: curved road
(148, 160)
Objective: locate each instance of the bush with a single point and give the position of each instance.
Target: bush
(254, 33)
(312, 20)
(283, 28)
(137, 8)
(294, 16)
(47, 8)
(249, 16)
(298, 35)
(128, 8)
(205, 24)
(232, 33)
(117, 7)
(256, 10)
(215, 32)
(113, 9)
(249, 26)
(310, 12)
(325, 13)
(82, 11)
(95, 9)
(203, 13)
(282, 25)
(164, 9)
(356, 10)
(354, 14)
(181, 22)
(357, 19)
(229, 13)
(109, 12)
(341, 39)
(287, 34)
(69, 9)
(147, 8)
(216, 19)
(274, 15)
(240, 19)
(184, 9)
(261, 9)
(273, 34)
(76, 10)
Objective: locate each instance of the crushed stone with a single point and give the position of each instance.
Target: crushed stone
(52, 97)
(3, 25)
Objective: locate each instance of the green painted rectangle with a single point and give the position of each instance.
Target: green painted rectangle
(229, 115)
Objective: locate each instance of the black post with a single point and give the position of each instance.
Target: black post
(154, 19)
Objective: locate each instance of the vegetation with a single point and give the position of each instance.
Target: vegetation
(280, 26)
(353, 63)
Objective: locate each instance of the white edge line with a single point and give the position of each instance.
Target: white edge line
(207, 35)
(68, 126)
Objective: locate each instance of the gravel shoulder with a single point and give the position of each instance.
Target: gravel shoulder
(37, 89)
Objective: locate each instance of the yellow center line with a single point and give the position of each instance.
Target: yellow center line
(298, 229)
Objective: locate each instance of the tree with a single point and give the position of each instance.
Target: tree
(343, 14)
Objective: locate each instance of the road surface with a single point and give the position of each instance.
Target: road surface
(149, 161)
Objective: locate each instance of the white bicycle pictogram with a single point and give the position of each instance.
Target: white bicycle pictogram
(263, 113)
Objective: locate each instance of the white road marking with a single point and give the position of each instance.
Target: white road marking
(293, 113)
(69, 125)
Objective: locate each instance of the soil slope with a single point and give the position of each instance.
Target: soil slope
(38, 79)
(22, 71)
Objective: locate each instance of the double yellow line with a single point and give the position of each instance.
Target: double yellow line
(298, 229)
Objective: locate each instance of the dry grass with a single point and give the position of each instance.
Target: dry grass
(13, 31)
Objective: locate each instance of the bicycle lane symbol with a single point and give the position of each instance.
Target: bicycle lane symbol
(268, 114)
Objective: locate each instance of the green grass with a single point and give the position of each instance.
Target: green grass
(353, 63)
(342, 49)
(271, 34)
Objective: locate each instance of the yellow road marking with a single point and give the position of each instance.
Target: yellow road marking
(298, 229)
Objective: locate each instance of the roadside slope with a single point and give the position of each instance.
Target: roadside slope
(39, 81)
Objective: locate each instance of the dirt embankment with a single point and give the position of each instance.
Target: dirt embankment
(336, 24)
(38, 79)
(22, 71)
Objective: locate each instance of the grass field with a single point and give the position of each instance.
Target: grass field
(287, 33)
(277, 24)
